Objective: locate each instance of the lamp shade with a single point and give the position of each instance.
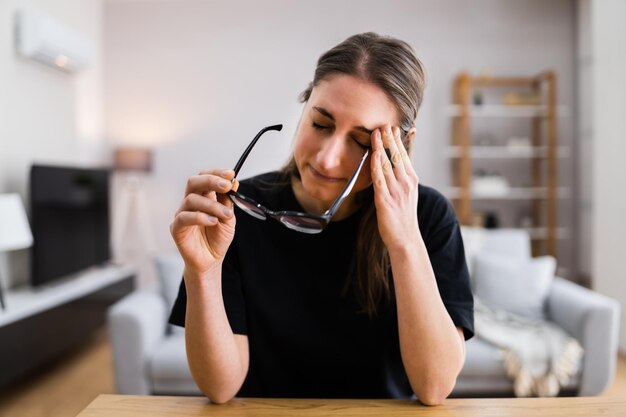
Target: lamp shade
(14, 229)
(133, 159)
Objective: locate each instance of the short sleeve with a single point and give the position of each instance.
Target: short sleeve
(232, 294)
(447, 257)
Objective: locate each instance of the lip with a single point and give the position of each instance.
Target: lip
(322, 177)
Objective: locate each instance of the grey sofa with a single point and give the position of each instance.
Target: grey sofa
(149, 355)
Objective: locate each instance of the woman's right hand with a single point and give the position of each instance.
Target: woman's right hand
(204, 225)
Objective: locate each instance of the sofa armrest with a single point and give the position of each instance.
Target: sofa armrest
(136, 324)
(593, 319)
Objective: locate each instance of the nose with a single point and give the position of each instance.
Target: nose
(331, 153)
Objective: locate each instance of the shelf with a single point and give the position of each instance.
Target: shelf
(501, 110)
(514, 193)
(27, 301)
(522, 152)
(537, 148)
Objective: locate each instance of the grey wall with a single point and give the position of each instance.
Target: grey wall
(197, 79)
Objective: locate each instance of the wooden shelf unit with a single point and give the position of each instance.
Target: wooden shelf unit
(542, 152)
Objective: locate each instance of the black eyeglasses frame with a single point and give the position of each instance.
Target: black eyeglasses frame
(317, 221)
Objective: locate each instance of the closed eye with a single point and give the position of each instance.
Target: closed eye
(318, 126)
(362, 145)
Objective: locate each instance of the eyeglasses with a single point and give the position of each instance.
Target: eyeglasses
(295, 220)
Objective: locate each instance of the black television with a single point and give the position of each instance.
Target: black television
(69, 220)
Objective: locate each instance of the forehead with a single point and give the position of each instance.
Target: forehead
(352, 100)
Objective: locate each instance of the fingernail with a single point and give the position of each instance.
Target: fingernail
(222, 183)
(212, 219)
(226, 211)
(388, 131)
(377, 134)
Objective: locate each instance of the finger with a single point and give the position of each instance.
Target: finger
(196, 202)
(378, 177)
(384, 162)
(394, 154)
(206, 182)
(406, 160)
(379, 164)
(224, 173)
(193, 218)
(225, 198)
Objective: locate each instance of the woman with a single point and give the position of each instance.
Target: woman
(373, 303)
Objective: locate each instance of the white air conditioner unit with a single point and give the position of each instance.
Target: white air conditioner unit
(41, 38)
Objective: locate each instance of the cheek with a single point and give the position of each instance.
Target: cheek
(303, 148)
(365, 177)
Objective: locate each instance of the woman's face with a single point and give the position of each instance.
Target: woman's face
(334, 132)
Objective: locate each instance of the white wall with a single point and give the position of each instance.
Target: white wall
(608, 37)
(46, 115)
(197, 79)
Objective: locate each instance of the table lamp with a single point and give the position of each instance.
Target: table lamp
(133, 159)
(131, 207)
(14, 229)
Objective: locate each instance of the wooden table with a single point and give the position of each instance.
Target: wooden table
(155, 406)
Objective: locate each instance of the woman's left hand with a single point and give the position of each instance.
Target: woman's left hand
(395, 188)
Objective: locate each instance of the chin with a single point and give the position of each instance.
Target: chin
(319, 192)
(326, 193)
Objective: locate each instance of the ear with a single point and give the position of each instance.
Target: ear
(411, 134)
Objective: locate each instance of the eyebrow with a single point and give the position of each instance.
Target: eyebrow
(328, 114)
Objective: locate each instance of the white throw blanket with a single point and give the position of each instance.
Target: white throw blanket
(539, 356)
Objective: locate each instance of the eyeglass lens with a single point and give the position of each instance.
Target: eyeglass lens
(299, 223)
(248, 207)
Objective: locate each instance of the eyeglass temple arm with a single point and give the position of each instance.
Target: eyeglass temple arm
(331, 211)
(251, 145)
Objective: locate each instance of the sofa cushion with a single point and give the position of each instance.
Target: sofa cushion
(170, 271)
(515, 285)
(169, 370)
(512, 243)
(170, 268)
(482, 359)
(473, 242)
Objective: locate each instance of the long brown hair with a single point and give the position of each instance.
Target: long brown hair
(390, 64)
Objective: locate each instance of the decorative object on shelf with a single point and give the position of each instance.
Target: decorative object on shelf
(477, 98)
(492, 221)
(518, 99)
(518, 143)
(14, 229)
(478, 219)
(532, 98)
(492, 185)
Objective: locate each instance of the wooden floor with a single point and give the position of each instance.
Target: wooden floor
(67, 387)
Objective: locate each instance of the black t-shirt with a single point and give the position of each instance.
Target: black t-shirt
(283, 289)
